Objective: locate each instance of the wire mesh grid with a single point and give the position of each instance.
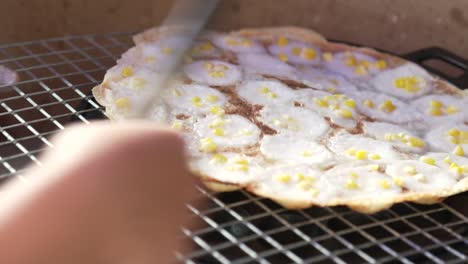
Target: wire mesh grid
(56, 77)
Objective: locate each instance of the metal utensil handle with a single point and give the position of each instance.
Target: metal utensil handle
(437, 53)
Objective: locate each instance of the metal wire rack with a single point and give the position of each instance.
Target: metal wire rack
(56, 76)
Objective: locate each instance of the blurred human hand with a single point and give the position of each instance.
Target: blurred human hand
(106, 193)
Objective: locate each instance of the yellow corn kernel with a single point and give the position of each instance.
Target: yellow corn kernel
(350, 60)
(282, 41)
(464, 135)
(465, 168)
(307, 153)
(398, 181)
(296, 51)
(283, 178)
(454, 140)
(387, 106)
(351, 185)
(410, 170)
(244, 167)
(211, 98)
(217, 74)
(360, 70)
(409, 84)
(354, 175)
(241, 161)
(389, 136)
(384, 184)
(374, 156)
(216, 110)
(427, 160)
(381, 64)
(207, 145)
(304, 185)
(300, 176)
(368, 103)
(217, 122)
(167, 50)
(313, 192)
(218, 159)
(127, 71)
(435, 111)
(361, 155)
(350, 103)
(196, 101)
(448, 160)
(436, 104)
(450, 110)
(177, 124)
(246, 43)
(364, 63)
(416, 142)
(310, 179)
(459, 151)
(232, 42)
(283, 57)
(309, 54)
(339, 96)
(345, 113)
(264, 89)
(327, 56)
(218, 131)
(206, 46)
(373, 167)
(122, 103)
(320, 102)
(453, 132)
(455, 168)
(271, 95)
(351, 151)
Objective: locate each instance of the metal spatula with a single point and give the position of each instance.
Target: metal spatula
(191, 15)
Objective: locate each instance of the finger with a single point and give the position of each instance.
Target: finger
(125, 187)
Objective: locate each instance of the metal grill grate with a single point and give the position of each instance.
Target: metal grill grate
(56, 77)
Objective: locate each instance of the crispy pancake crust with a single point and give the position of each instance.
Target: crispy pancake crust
(312, 37)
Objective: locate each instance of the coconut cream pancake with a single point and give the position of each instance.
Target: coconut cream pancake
(326, 81)
(449, 137)
(295, 52)
(407, 81)
(288, 149)
(266, 64)
(354, 64)
(387, 108)
(396, 135)
(338, 108)
(440, 107)
(285, 114)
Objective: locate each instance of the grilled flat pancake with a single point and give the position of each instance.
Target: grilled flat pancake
(288, 115)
